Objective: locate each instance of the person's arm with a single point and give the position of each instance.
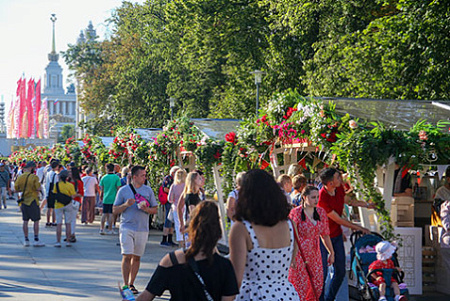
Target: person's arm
(343, 222)
(150, 210)
(407, 192)
(352, 202)
(180, 207)
(101, 192)
(238, 249)
(231, 202)
(296, 246)
(121, 208)
(329, 246)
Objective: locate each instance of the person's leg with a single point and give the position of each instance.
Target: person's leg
(25, 229)
(91, 213)
(102, 221)
(166, 223)
(395, 287)
(84, 210)
(135, 264)
(339, 268)
(36, 230)
(324, 253)
(58, 232)
(382, 289)
(76, 207)
(3, 197)
(68, 232)
(126, 268)
(110, 218)
(59, 219)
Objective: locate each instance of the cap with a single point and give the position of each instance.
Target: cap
(384, 250)
(30, 164)
(2, 164)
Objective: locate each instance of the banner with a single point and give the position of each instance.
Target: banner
(37, 107)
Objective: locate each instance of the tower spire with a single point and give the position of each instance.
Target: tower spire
(53, 56)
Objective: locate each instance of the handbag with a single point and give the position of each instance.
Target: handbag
(297, 239)
(19, 201)
(170, 215)
(61, 197)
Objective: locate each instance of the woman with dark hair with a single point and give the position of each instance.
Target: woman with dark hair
(198, 273)
(262, 240)
(75, 179)
(306, 274)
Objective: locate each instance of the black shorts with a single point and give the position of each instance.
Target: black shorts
(107, 208)
(30, 212)
(51, 202)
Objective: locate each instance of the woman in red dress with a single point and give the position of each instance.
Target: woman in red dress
(306, 273)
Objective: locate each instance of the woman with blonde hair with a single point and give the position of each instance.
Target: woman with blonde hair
(175, 192)
(189, 198)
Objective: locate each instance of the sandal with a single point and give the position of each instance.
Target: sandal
(133, 289)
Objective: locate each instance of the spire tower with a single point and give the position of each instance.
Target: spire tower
(53, 56)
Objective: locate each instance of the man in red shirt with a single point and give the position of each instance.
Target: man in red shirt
(332, 198)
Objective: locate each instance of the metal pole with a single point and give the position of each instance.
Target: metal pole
(171, 113)
(257, 99)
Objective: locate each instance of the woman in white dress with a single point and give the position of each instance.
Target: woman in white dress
(262, 240)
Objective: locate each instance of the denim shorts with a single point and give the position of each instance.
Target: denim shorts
(167, 222)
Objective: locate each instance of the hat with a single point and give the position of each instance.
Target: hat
(384, 250)
(30, 164)
(63, 174)
(2, 164)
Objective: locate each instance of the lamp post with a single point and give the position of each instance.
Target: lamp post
(172, 105)
(258, 80)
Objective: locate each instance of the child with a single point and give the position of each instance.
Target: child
(384, 254)
(285, 183)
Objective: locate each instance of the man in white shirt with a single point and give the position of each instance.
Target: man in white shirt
(90, 192)
(49, 181)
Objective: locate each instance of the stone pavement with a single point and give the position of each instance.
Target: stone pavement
(89, 270)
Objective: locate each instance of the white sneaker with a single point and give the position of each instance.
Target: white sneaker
(68, 245)
(38, 244)
(57, 245)
(101, 232)
(109, 232)
(26, 243)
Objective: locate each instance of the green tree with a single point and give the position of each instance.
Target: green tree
(67, 131)
(402, 54)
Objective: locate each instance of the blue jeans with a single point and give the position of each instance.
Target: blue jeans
(167, 222)
(339, 268)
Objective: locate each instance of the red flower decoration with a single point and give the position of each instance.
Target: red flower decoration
(231, 137)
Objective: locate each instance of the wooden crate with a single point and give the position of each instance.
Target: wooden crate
(429, 269)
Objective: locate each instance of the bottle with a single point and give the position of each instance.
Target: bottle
(127, 294)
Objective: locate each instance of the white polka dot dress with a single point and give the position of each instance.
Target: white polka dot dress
(266, 272)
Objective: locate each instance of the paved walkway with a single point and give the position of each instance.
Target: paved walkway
(89, 270)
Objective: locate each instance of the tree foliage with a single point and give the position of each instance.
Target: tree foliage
(202, 51)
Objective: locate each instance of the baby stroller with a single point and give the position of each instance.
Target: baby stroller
(362, 254)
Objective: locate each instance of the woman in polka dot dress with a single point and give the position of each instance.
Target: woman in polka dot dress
(262, 240)
(312, 225)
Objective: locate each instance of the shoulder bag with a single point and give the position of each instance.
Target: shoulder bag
(19, 201)
(61, 197)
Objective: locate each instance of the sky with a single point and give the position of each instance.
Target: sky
(26, 35)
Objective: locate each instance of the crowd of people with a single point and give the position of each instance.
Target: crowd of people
(284, 235)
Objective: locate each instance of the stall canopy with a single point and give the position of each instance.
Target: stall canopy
(216, 128)
(401, 114)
